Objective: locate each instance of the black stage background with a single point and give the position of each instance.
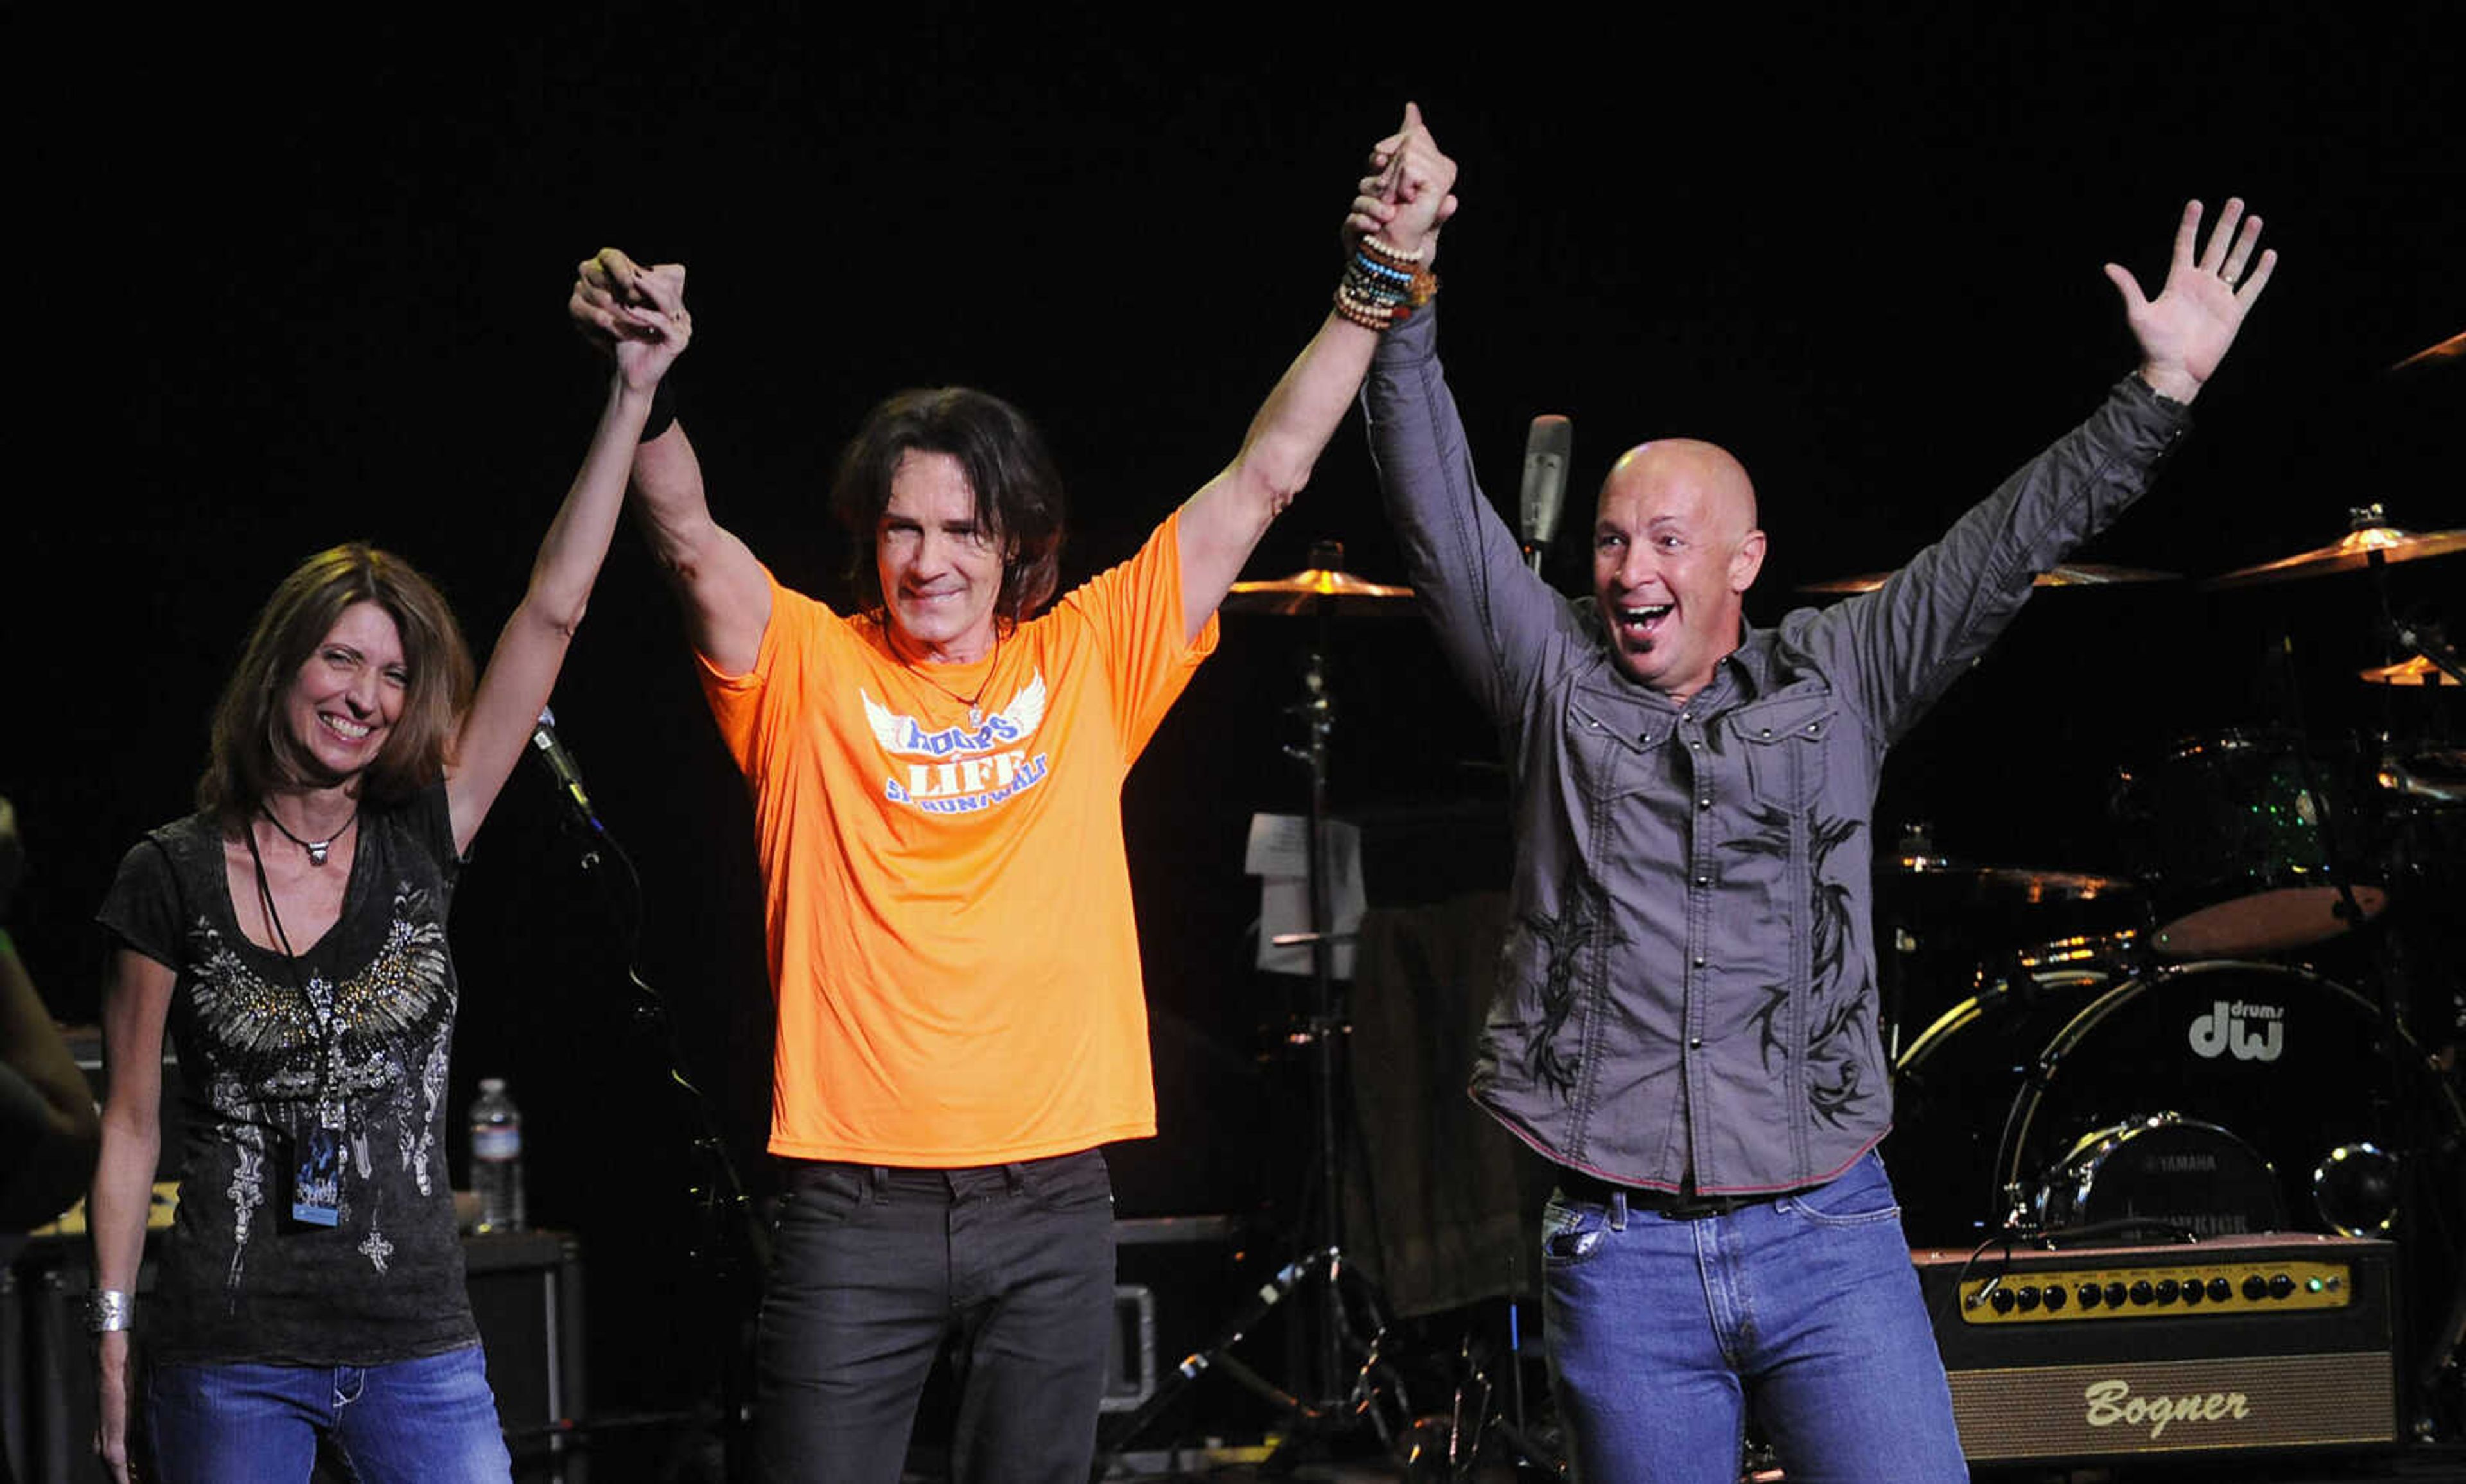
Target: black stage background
(284, 287)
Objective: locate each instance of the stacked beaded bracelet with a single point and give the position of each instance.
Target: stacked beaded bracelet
(108, 1309)
(1382, 286)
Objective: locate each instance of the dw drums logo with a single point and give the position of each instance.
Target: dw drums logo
(2252, 1032)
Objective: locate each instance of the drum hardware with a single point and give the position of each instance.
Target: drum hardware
(2430, 644)
(2375, 545)
(2067, 575)
(2356, 1191)
(2083, 961)
(1917, 871)
(2436, 776)
(1341, 1395)
(1946, 921)
(1446, 1450)
(2012, 884)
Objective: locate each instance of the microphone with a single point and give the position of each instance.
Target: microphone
(559, 763)
(1546, 449)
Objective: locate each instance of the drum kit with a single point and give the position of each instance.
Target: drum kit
(2151, 1054)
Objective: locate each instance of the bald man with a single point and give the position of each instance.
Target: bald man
(1686, 1016)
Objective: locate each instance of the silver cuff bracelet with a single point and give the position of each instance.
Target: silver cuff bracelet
(108, 1309)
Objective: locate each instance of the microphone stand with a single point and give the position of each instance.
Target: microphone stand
(729, 1247)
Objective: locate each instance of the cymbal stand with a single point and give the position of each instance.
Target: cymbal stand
(2443, 1342)
(1318, 711)
(1337, 1398)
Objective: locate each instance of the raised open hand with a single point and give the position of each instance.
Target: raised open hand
(2185, 330)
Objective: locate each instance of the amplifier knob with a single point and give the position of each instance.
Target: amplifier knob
(2255, 1287)
(2000, 1300)
(2115, 1294)
(2193, 1291)
(2220, 1291)
(2088, 1296)
(2280, 1286)
(2028, 1298)
(2056, 1297)
(2142, 1293)
(2167, 1290)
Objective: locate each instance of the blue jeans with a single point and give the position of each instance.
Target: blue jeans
(872, 1269)
(1662, 1332)
(410, 1422)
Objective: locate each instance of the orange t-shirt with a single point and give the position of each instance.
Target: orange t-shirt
(948, 903)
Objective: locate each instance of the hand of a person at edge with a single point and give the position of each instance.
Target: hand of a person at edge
(12, 856)
(2185, 330)
(111, 1405)
(636, 314)
(1408, 196)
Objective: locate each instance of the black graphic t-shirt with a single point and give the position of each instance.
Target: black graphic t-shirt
(367, 1015)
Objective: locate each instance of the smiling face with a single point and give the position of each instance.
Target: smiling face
(941, 570)
(1674, 551)
(344, 699)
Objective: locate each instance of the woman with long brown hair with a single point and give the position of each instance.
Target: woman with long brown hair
(290, 938)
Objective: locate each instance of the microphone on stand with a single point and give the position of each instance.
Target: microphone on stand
(559, 763)
(1546, 449)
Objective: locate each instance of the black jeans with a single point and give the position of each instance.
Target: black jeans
(872, 1269)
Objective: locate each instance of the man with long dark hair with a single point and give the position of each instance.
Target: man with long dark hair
(936, 779)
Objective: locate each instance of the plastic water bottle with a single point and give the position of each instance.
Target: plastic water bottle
(497, 1159)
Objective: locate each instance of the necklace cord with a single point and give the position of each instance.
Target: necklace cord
(327, 1033)
(925, 672)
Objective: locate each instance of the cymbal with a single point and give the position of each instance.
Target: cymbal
(2069, 575)
(2417, 672)
(2450, 350)
(2372, 535)
(1315, 589)
(2016, 883)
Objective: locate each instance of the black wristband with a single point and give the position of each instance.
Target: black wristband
(663, 407)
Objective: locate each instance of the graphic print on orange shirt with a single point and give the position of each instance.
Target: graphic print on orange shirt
(961, 770)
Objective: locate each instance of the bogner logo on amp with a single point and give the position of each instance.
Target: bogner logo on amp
(2111, 1401)
(2250, 1033)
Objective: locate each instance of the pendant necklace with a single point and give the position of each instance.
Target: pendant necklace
(317, 849)
(976, 712)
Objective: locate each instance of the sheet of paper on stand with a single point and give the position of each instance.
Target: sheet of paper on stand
(1278, 854)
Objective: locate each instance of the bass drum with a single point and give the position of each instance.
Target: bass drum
(1954, 1085)
(2276, 1060)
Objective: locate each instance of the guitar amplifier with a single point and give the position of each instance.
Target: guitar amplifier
(2240, 1345)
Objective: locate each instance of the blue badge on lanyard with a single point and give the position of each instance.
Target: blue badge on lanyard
(317, 1185)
